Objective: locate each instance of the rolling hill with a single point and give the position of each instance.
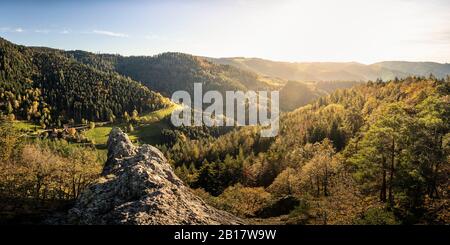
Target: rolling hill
(43, 85)
(169, 72)
(336, 71)
(416, 68)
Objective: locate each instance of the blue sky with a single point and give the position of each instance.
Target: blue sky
(290, 30)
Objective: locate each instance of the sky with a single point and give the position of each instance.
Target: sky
(284, 30)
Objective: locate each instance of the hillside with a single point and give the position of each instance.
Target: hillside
(169, 72)
(373, 154)
(295, 94)
(42, 85)
(335, 71)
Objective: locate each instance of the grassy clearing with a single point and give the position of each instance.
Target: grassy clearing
(147, 131)
(158, 115)
(99, 134)
(150, 126)
(28, 127)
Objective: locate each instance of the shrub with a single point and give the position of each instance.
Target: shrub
(377, 216)
(244, 201)
(40, 173)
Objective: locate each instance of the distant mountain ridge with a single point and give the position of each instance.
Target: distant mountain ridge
(417, 68)
(336, 71)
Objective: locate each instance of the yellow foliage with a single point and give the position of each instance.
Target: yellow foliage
(243, 201)
(39, 173)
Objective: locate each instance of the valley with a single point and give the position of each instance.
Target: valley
(357, 144)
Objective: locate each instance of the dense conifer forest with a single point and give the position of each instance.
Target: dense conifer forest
(45, 86)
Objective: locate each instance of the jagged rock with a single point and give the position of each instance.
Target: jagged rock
(138, 186)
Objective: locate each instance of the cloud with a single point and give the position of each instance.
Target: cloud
(39, 31)
(109, 33)
(8, 29)
(44, 31)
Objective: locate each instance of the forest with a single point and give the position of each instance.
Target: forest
(348, 152)
(378, 151)
(44, 86)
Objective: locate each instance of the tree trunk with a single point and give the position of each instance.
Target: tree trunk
(383, 183)
(325, 184)
(289, 183)
(391, 178)
(434, 183)
(318, 186)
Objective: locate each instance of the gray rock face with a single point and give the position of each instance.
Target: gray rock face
(138, 186)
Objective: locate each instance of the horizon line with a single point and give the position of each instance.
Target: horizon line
(232, 56)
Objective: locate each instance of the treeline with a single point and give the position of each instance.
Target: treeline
(170, 72)
(331, 86)
(375, 153)
(43, 85)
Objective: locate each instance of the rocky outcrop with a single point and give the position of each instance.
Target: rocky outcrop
(138, 186)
